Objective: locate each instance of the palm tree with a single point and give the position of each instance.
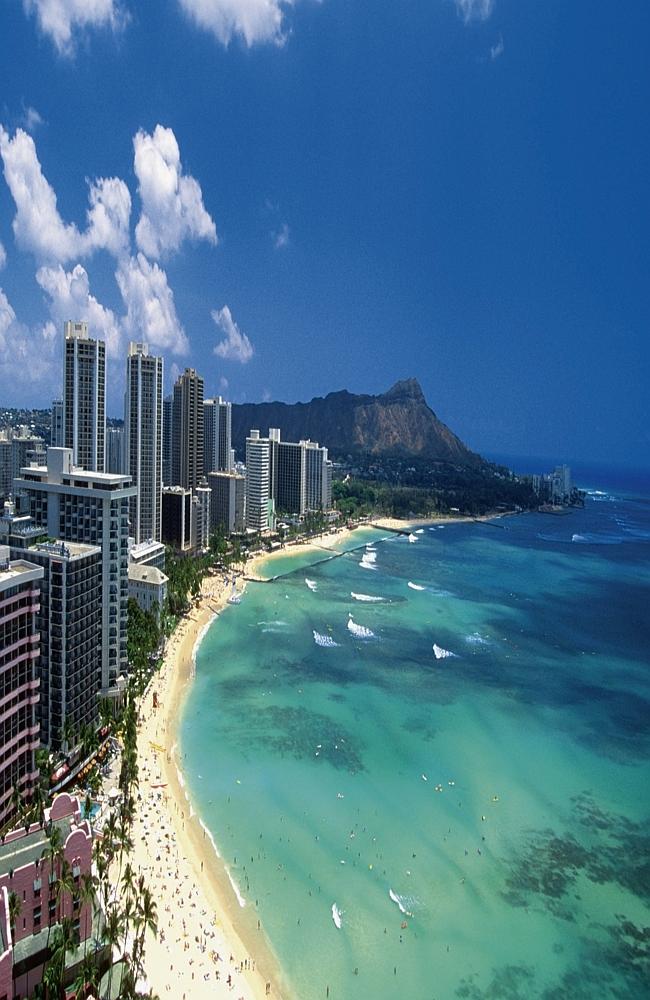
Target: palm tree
(87, 898)
(53, 854)
(147, 921)
(15, 906)
(65, 883)
(87, 978)
(113, 932)
(67, 733)
(64, 943)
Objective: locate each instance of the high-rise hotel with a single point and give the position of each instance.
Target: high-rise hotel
(217, 435)
(143, 425)
(84, 397)
(187, 430)
(19, 651)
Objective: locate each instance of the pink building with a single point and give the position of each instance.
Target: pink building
(19, 650)
(23, 870)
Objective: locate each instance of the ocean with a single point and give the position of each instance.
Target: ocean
(452, 764)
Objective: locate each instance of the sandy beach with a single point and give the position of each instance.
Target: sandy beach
(198, 951)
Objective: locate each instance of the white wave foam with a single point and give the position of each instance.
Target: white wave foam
(311, 584)
(420, 531)
(368, 598)
(412, 538)
(415, 586)
(210, 838)
(442, 654)
(236, 889)
(336, 916)
(179, 775)
(400, 900)
(368, 560)
(361, 631)
(323, 640)
(476, 639)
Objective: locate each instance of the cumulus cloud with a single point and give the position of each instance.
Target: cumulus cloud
(150, 309)
(235, 346)
(474, 10)
(108, 216)
(38, 226)
(254, 21)
(27, 356)
(62, 20)
(69, 298)
(497, 50)
(172, 202)
(3, 256)
(281, 237)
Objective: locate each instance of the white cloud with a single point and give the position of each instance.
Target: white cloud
(3, 256)
(172, 203)
(70, 298)
(61, 20)
(31, 119)
(108, 216)
(223, 384)
(151, 312)
(27, 356)
(497, 50)
(281, 238)
(255, 21)
(474, 10)
(38, 226)
(235, 346)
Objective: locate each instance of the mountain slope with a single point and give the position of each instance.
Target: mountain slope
(398, 422)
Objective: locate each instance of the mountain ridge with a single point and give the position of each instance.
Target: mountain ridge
(398, 423)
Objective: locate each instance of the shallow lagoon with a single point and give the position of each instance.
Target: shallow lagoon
(500, 793)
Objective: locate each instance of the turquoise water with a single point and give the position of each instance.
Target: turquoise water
(522, 863)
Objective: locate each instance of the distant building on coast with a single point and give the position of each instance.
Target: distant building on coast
(289, 476)
(177, 517)
(228, 501)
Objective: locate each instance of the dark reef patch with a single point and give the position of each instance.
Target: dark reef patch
(613, 849)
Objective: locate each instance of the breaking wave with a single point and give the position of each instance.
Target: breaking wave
(442, 654)
(323, 640)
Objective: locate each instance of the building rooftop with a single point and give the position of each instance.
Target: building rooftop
(143, 549)
(12, 570)
(28, 849)
(147, 574)
(67, 550)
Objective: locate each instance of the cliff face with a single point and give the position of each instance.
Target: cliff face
(398, 422)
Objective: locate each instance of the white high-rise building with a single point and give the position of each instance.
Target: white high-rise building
(217, 435)
(259, 496)
(84, 397)
(75, 505)
(143, 428)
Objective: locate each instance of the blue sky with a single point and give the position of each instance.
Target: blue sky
(298, 198)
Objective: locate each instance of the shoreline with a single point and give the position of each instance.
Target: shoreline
(203, 910)
(209, 907)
